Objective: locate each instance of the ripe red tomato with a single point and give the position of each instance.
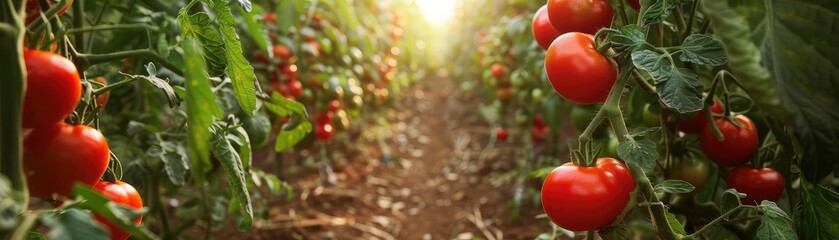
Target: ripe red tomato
(33, 10)
(334, 106)
(102, 99)
(57, 156)
(502, 134)
(53, 88)
(697, 123)
(281, 51)
(587, 198)
(324, 132)
(270, 17)
(324, 118)
(634, 4)
(543, 31)
(538, 134)
(757, 184)
(497, 70)
(586, 16)
(295, 87)
(539, 121)
(739, 143)
(123, 194)
(577, 71)
(504, 93)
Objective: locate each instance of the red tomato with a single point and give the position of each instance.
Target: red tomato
(497, 70)
(102, 99)
(634, 4)
(539, 121)
(334, 106)
(270, 17)
(290, 71)
(324, 118)
(123, 194)
(281, 51)
(587, 198)
(697, 123)
(57, 156)
(543, 31)
(33, 10)
(738, 146)
(577, 71)
(504, 93)
(586, 16)
(53, 88)
(502, 134)
(538, 134)
(757, 184)
(295, 87)
(324, 132)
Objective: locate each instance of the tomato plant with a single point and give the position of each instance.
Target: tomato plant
(57, 156)
(581, 198)
(577, 71)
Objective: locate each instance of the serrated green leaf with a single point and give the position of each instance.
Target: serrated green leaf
(657, 12)
(281, 106)
(614, 232)
(642, 131)
(681, 91)
(175, 161)
(238, 68)
(818, 213)
(74, 224)
(236, 175)
(675, 224)
(630, 37)
(158, 83)
(674, 186)
(640, 153)
(199, 26)
(654, 63)
(702, 49)
(245, 150)
(730, 199)
(200, 109)
(776, 224)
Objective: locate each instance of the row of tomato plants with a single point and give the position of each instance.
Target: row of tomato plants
(698, 133)
(224, 80)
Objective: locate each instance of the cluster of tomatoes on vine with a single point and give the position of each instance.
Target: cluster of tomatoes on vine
(57, 155)
(581, 74)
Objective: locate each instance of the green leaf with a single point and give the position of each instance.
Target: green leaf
(256, 29)
(289, 137)
(283, 107)
(36, 236)
(200, 109)
(245, 150)
(288, 15)
(703, 49)
(630, 37)
(776, 224)
(115, 213)
(674, 186)
(236, 174)
(238, 68)
(641, 153)
(681, 91)
(199, 26)
(246, 5)
(658, 12)
(643, 131)
(9, 205)
(175, 161)
(614, 232)
(675, 224)
(730, 199)
(654, 63)
(818, 212)
(74, 224)
(161, 84)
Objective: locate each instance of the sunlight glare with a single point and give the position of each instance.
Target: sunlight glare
(437, 12)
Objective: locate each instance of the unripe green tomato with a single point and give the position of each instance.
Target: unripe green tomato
(582, 115)
(521, 118)
(306, 96)
(692, 169)
(516, 81)
(651, 119)
(537, 95)
(498, 106)
(612, 147)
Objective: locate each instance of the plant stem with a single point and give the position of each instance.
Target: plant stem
(11, 100)
(131, 26)
(108, 88)
(718, 220)
(93, 59)
(691, 19)
(656, 208)
(78, 22)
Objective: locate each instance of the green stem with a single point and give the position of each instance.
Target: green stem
(656, 208)
(108, 88)
(691, 19)
(11, 100)
(131, 26)
(78, 22)
(590, 235)
(718, 220)
(622, 13)
(680, 19)
(49, 15)
(93, 59)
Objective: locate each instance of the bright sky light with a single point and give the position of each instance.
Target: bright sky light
(437, 12)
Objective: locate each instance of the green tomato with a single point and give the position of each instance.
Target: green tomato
(651, 119)
(521, 118)
(690, 168)
(537, 95)
(581, 116)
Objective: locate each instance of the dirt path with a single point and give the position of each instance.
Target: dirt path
(435, 188)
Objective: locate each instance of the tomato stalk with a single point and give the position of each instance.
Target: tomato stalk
(49, 14)
(709, 101)
(719, 219)
(692, 17)
(11, 99)
(93, 59)
(109, 27)
(78, 22)
(655, 206)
